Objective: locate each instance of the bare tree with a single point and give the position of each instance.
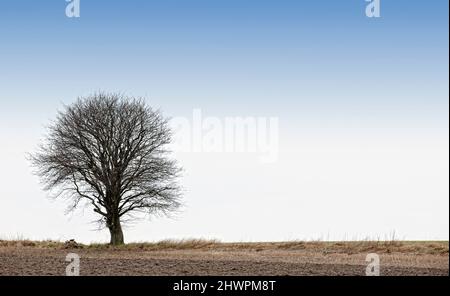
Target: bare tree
(110, 151)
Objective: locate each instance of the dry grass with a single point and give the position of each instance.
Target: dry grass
(343, 247)
(212, 257)
(50, 244)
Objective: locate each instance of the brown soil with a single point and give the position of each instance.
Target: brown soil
(294, 258)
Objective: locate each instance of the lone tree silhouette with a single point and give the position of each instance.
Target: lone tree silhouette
(109, 151)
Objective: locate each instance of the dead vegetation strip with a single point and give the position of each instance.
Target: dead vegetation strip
(347, 247)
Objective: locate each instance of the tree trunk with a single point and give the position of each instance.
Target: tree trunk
(115, 229)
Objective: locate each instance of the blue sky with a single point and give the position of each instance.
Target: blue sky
(255, 56)
(333, 77)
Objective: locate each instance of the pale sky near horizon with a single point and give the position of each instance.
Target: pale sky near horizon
(362, 104)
